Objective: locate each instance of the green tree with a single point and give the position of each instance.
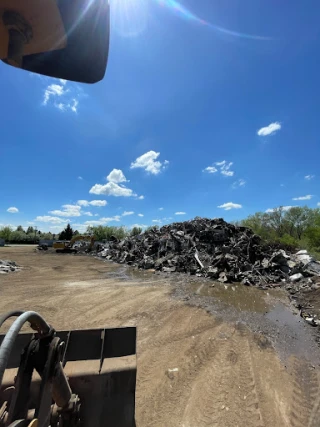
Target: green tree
(17, 237)
(135, 231)
(20, 228)
(30, 230)
(298, 219)
(313, 236)
(276, 221)
(296, 227)
(5, 233)
(47, 236)
(259, 224)
(67, 233)
(101, 232)
(153, 228)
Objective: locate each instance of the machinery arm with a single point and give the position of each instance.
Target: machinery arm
(44, 353)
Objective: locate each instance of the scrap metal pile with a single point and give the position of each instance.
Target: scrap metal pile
(7, 266)
(210, 248)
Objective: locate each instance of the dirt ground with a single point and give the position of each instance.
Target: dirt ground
(193, 369)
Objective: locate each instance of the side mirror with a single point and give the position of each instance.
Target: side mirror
(66, 39)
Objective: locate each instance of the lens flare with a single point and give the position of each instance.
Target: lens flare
(186, 14)
(129, 17)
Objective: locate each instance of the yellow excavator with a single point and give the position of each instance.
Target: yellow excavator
(69, 378)
(66, 246)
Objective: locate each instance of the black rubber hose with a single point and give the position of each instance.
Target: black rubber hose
(37, 323)
(6, 316)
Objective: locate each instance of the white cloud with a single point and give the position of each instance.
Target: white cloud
(157, 221)
(140, 197)
(309, 177)
(126, 213)
(82, 228)
(228, 206)
(117, 176)
(13, 210)
(74, 105)
(141, 215)
(67, 103)
(83, 203)
(60, 106)
(149, 163)
(307, 197)
(94, 223)
(238, 183)
(110, 219)
(67, 211)
(80, 177)
(102, 221)
(318, 204)
(111, 189)
(210, 169)
(75, 210)
(68, 106)
(269, 130)
(285, 208)
(98, 203)
(52, 90)
(52, 219)
(180, 213)
(160, 209)
(223, 167)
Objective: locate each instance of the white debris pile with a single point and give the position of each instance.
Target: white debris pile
(7, 266)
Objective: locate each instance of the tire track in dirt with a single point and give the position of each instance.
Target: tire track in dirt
(226, 392)
(165, 404)
(209, 394)
(183, 327)
(305, 409)
(248, 400)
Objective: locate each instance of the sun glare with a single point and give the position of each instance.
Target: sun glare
(129, 16)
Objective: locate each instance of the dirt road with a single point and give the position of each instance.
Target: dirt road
(193, 370)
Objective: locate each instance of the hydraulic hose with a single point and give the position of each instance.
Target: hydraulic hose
(6, 316)
(37, 322)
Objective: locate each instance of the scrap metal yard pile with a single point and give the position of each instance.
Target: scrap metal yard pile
(212, 248)
(7, 266)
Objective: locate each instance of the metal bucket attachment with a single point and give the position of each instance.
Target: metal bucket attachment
(100, 366)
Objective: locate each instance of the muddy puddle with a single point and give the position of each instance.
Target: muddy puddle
(265, 312)
(124, 273)
(243, 298)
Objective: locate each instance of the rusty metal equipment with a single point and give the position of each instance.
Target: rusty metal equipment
(76, 378)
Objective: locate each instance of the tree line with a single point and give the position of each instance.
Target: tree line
(32, 235)
(20, 235)
(298, 227)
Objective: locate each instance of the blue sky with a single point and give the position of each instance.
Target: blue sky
(206, 109)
